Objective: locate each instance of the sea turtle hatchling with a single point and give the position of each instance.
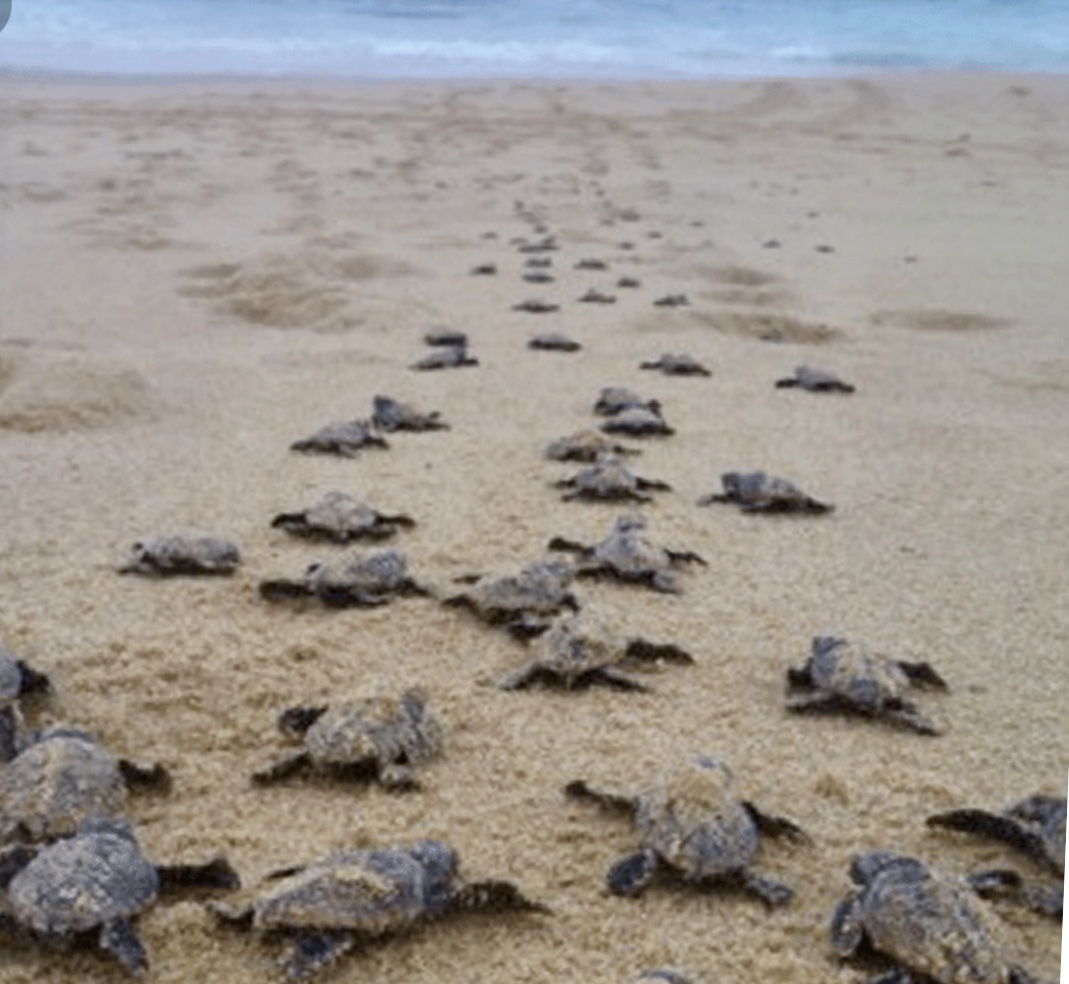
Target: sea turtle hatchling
(677, 364)
(586, 446)
(373, 738)
(613, 400)
(390, 415)
(627, 554)
(523, 604)
(442, 335)
(536, 305)
(177, 554)
(758, 492)
(691, 822)
(350, 897)
(345, 438)
(930, 923)
(609, 480)
(339, 517)
(17, 680)
(638, 422)
(354, 579)
(63, 776)
(554, 341)
(580, 650)
(95, 883)
(1034, 826)
(595, 296)
(842, 676)
(815, 381)
(445, 357)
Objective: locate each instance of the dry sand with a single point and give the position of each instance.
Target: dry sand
(197, 274)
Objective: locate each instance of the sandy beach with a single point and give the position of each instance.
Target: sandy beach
(198, 273)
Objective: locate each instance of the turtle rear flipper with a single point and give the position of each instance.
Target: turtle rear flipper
(907, 714)
(633, 874)
(154, 777)
(773, 826)
(313, 951)
(847, 933)
(118, 938)
(496, 895)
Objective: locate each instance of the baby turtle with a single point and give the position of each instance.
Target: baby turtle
(390, 415)
(345, 438)
(538, 277)
(353, 580)
(591, 264)
(677, 364)
(522, 604)
(595, 296)
(348, 898)
(445, 336)
(175, 554)
(628, 555)
(609, 480)
(692, 823)
(629, 283)
(376, 738)
(96, 882)
(484, 270)
(554, 341)
(585, 445)
(341, 518)
(539, 262)
(1035, 826)
(815, 381)
(613, 400)
(17, 680)
(536, 305)
(62, 777)
(758, 492)
(638, 422)
(842, 676)
(445, 357)
(931, 924)
(580, 650)
(672, 300)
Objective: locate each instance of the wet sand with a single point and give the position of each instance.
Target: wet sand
(197, 274)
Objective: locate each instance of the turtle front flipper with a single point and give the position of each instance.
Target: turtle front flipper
(293, 722)
(217, 874)
(633, 874)
(610, 676)
(613, 802)
(496, 895)
(313, 951)
(31, 681)
(282, 769)
(772, 893)
(140, 777)
(984, 824)
(282, 589)
(652, 485)
(529, 673)
(296, 523)
(773, 826)
(651, 652)
(922, 675)
(907, 714)
(847, 933)
(118, 938)
(9, 728)
(568, 546)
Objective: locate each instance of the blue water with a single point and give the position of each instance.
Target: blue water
(556, 38)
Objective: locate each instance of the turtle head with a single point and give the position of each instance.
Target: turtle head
(865, 867)
(439, 863)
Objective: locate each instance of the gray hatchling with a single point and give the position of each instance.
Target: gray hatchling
(445, 357)
(94, 884)
(931, 924)
(554, 341)
(522, 604)
(677, 364)
(17, 680)
(349, 898)
(627, 554)
(616, 399)
(339, 517)
(585, 445)
(672, 300)
(692, 823)
(815, 381)
(638, 422)
(176, 554)
(370, 739)
(845, 677)
(354, 579)
(595, 296)
(345, 438)
(609, 480)
(445, 336)
(580, 650)
(390, 415)
(758, 492)
(63, 776)
(536, 305)
(1034, 826)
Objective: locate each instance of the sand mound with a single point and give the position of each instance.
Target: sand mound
(56, 392)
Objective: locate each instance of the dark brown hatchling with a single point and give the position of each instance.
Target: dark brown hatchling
(815, 381)
(580, 650)
(585, 445)
(376, 739)
(92, 885)
(178, 554)
(354, 579)
(17, 681)
(758, 492)
(61, 777)
(1034, 826)
(627, 554)
(931, 924)
(677, 364)
(609, 480)
(390, 415)
(341, 518)
(554, 341)
(349, 898)
(346, 438)
(445, 357)
(845, 677)
(692, 824)
(522, 604)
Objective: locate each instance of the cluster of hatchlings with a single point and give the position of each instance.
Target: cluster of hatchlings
(70, 866)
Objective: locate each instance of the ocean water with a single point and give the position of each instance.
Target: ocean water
(555, 38)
